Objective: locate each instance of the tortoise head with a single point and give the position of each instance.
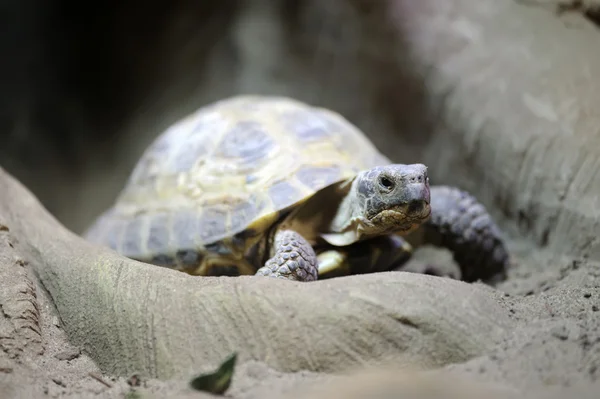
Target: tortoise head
(382, 200)
(392, 198)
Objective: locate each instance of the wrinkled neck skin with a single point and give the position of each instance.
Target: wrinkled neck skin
(348, 216)
(348, 225)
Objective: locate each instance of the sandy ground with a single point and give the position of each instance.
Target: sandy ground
(557, 348)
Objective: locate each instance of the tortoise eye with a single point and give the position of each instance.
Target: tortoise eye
(386, 182)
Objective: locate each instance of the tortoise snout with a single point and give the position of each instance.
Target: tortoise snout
(417, 176)
(417, 186)
(420, 178)
(418, 194)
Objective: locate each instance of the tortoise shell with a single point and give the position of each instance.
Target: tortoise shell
(224, 174)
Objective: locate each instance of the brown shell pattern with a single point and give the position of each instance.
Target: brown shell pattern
(229, 164)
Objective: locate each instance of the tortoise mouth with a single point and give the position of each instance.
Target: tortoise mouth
(405, 217)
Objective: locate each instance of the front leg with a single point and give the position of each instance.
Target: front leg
(377, 254)
(293, 258)
(461, 224)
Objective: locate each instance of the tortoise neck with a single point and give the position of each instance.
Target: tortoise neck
(346, 213)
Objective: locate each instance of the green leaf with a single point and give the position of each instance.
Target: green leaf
(133, 394)
(218, 381)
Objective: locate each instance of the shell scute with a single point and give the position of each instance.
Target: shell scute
(246, 142)
(187, 156)
(213, 223)
(317, 177)
(186, 227)
(284, 194)
(244, 212)
(306, 125)
(159, 234)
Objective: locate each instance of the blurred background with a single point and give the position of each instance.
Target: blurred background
(86, 87)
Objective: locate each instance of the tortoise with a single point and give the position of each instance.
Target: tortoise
(271, 186)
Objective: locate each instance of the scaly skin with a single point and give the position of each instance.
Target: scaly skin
(463, 225)
(294, 258)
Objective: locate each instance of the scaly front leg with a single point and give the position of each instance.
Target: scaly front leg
(293, 258)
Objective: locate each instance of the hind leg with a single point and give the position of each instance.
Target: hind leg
(293, 258)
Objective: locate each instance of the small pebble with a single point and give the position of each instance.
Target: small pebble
(560, 332)
(58, 382)
(68, 354)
